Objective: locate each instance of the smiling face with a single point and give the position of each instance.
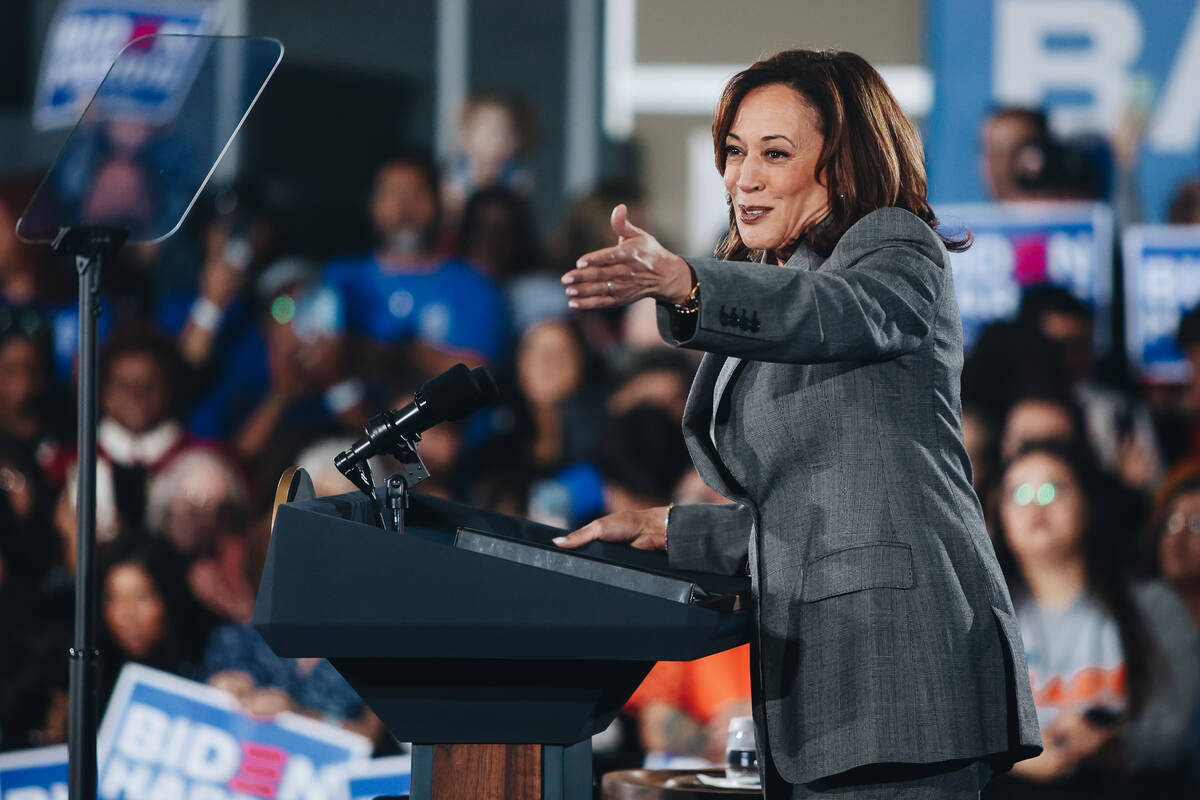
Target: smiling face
(771, 154)
(1042, 509)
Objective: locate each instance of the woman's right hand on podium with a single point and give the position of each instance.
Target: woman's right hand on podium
(645, 530)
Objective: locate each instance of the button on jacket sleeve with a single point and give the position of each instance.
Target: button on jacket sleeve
(874, 299)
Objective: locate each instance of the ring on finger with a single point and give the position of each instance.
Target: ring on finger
(609, 285)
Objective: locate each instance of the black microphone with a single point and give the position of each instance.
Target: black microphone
(455, 394)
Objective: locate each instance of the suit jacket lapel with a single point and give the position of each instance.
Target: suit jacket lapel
(713, 380)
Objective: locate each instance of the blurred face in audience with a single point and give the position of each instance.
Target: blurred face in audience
(1043, 510)
(403, 205)
(1073, 335)
(134, 610)
(136, 393)
(664, 389)
(490, 138)
(1179, 541)
(1002, 136)
(549, 364)
(1035, 421)
(772, 150)
(492, 240)
(22, 381)
(200, 509)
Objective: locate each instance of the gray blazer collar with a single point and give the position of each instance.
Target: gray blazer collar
(804, 257)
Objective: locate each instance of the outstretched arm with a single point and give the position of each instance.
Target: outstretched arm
(878, 302)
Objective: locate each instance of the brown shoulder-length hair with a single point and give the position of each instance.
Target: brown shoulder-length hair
(872, 157)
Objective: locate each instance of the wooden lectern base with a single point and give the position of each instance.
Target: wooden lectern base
(502, 772)
(487, 771)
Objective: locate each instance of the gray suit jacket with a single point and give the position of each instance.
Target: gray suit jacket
(827, 407)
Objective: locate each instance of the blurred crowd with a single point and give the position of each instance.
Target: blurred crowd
(227, 356)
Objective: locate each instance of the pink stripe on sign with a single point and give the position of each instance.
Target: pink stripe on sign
(260, 771)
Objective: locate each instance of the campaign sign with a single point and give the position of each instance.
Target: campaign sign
(164, 736)
(38, 774)
(1022, 244)
(366, 780)
(1162, 282)
(86, 37)
(1094, 65)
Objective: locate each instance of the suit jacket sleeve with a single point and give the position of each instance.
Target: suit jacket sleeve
(710, 538)
(875, 298)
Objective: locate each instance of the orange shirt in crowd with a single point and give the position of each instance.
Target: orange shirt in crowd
(701, 688)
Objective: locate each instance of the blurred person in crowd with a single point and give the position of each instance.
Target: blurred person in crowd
(556, 383)
(34, 692)
(1004, 132)
(497, 234)
(1041, 417)
(1107, 676)
(238, 660)
(585, 227)
(200, 504)
(1173, 538)
(29, 409)
(1184, 418)
(1185, 204)
(1022, 160)
(310, 388)
(1051, 417)
(659, 378)
(147, 614)
(827, 407)
(23, 275)
(641, 456)
(438, 310)
(546, 431)
(238, 241)
(496, 133)
(27, 545)
(141, 385)
(1011, 360)
(1118, 426)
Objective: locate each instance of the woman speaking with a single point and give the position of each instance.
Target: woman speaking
(886, 660)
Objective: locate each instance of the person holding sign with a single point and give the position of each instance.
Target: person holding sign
(886, 657)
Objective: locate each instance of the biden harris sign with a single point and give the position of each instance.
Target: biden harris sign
(1025, 244)
(86, 37)
(1089, 63)
(1162, 283)
(166, 737)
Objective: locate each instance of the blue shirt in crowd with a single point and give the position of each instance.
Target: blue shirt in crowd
(447, 303)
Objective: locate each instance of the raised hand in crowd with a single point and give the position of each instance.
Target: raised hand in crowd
(221, 279)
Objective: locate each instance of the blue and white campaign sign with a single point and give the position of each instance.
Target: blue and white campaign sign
(366, 780)
(1087, 62)
(86, 37)
(164, 736)
(1162, 282)
(38, 774)
(1022, 244)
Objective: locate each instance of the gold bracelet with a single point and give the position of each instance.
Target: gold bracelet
(692, 304)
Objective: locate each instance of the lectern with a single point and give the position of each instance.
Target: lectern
(469, 634)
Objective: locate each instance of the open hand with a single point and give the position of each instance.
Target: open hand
(636, 267)
(644, 530)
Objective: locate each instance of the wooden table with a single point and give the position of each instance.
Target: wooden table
(667, 784)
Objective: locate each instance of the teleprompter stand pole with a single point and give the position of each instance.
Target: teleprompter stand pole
(88, 246)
